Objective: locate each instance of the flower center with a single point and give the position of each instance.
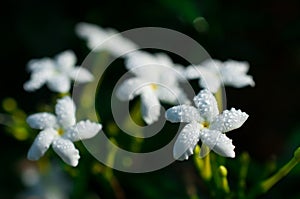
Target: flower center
(60, 132)
(154, 86)
(205, 124)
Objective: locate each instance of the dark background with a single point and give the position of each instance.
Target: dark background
(264, 33)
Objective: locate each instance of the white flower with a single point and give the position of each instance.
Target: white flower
(205, 123)
(213, 73)
(157, 78)
(56, 73)
(60, 131)
(104, 39)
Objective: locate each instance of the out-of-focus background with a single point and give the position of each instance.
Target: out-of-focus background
(264, 33)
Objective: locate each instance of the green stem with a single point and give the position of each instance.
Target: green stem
(268, 183)
(219, 98)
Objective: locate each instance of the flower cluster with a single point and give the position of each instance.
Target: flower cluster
(60, 130)
(156, 78)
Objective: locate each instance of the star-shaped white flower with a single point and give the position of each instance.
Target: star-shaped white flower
(156, 78)
(95, 35)
(205, 123)
(60, 131)
(56, 73)
(213, 73)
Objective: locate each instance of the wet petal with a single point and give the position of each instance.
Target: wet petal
(42, 121)
(65, 112)
(207, 104)
(41, 144)
(66, 150)
(218, 142)
(82, 130)
(59, 83)
(186, 141)
(183, 113)
(229, 120)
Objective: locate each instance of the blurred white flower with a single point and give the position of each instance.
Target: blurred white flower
(60, 131)
(104, 39)
(56, 73)
(205, 123)
(213, 73)
(156, 78)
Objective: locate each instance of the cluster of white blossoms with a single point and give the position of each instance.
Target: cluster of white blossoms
(156, 78)
(60, 130)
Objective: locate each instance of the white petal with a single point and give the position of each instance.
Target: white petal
(81, 75)
(82, 130)
(59, 83)
(172, 94)
(234, 74)
(186, 141)
(65, 112)
(94, 34)
(37, 79)
(194, 72)
(207, 104)
(66, 61)
(42, 121)
(150, 106)
(229, 120)
(218, 142)
(66, 150)
(183, 113)
(130, 88)
(41, 144)
(40, 64)
(144, 65)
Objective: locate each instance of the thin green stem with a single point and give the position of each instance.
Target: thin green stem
(269, 183)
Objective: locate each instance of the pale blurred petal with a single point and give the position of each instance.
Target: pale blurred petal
(172, 95)
(229, 120)
(82, 130)
(66, 150)
(130, 88)
(66, 61)
(41, 144)
(183, 113)
(40, 64)
(216, 141)
(150, 106)
(59, 83)
(38, 78)
(94, 34)
(234, 74)
(186, 141)
(42, 121)
(81, 75)
(143, 64)
(65, 112)
(207, 104)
